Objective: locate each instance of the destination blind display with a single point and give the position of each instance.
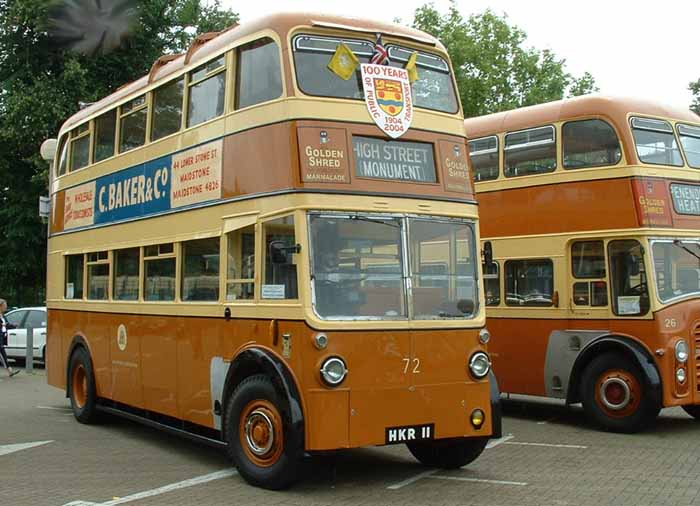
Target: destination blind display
(394, 160)
(686, 198)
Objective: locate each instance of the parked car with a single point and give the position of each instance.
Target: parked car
(18, 321)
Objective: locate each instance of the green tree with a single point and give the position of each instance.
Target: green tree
(494, 70)
(695, 90)
(41, 85)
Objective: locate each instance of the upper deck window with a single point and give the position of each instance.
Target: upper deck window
(656, 143)
(80, 147)
(167, 109)
(532, 151)
(590, 143)
(105, 129)
(259, 76)
(207, 90)
(690, 140)
(132, 124)
(433, 89)
(485, 158)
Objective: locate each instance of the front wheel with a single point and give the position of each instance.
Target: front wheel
(614, 395)
(448, 453)
(259, 435)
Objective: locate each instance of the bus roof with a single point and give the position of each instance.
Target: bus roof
(615, 108)
(282, 23)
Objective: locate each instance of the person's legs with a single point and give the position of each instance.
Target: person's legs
(5, 363)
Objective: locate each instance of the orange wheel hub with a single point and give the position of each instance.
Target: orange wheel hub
(618, 393)
(79, 385)
(261, 433)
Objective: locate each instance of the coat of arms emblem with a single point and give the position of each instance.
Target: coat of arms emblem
(388, 97)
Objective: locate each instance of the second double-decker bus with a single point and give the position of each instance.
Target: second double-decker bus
(271, 243)
(590, 211)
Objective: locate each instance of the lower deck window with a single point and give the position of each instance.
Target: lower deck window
(529, 282)
(200, 280)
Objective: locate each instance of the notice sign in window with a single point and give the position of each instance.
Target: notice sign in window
(686, 198)
(394, 160)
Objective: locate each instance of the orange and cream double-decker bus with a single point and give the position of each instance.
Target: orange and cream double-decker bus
(590, 213)
(270, 243)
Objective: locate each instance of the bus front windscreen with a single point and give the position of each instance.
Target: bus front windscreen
(392, 267)
(677, 268)
(433, 89)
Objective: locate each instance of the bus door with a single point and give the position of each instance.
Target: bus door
(588, 313)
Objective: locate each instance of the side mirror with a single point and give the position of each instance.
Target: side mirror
(488, 253)
(555, 299)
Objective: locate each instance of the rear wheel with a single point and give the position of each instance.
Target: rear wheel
(259, 437)
(615, 396)
(448, 453)
(82, 389)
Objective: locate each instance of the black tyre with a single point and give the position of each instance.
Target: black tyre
(261, 440)
(693, 410)
(615, 394)
(448, 453)
(81, 389)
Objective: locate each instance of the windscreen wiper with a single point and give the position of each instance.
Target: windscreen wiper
(373, 220)
(679, 244)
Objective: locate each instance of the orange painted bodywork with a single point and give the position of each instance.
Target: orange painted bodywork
(165, 368)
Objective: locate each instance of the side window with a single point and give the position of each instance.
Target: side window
(280, 276)
(529, 282)
(589, 143)
(167, 109)
(588, 262)
(240, 271)
(492, 283)
(62, 161)
(485, 158)
(126, 274)
(656, 142)
(132, 124)
(207, 87)
(531, 151)
(80, 147)
(690, 140)
(159, 272)
(16, 318)
(628, 278)
(98, 275)
(259, 76)
(105, 132)
(75, 265)
(36, 319)
(200, 271)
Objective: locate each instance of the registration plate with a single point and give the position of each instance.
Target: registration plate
(395, 435)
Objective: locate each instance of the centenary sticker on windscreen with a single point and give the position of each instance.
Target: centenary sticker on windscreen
(394, 160)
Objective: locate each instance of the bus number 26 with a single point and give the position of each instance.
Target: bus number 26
(411, 365)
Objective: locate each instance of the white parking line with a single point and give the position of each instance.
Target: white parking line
(225, 473)
(413, 479)
(495, 442)
(7, 449)
(54, 407)
(478, 480)
(548, 445)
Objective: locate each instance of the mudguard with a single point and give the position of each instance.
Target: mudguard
(631, 348)
(496, 414)
(256, 361)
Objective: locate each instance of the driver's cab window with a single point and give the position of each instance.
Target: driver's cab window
(588, 263)
(280, 271)
(628, 278)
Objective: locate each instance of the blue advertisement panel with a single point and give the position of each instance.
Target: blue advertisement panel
(138, 191)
